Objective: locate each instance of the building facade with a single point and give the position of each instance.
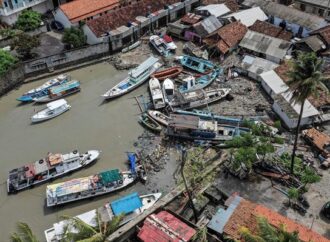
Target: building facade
(317, 7)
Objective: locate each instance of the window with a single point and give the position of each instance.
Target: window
(321, 11)
(302, 7)
(6, 4)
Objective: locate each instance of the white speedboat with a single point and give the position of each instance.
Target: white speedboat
(168, 90)
(156, 93)
(52, 110)
(131, 205)
(159, 117)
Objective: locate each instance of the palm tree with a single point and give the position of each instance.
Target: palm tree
(23, 234)
(305, 80)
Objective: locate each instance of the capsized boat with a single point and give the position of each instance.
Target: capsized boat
(135, 78)
(95, 185)
(130, 205)
(168, 73)
(156, 93)
(49, 168)
(160, 45)
(168, 90)
(149, 123)
(159, 117)
(60, 91)
(52, 110)
(196, 64)
(131, 47)
(43, 89)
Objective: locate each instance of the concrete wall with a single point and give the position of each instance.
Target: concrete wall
(10, 80)
(62, 18)
(91, 37)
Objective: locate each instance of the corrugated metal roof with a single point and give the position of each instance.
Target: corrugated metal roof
(257, 65)
(144, 66)
(275, 83)
(126, 204)
(207, 26)
(216, 10)
(249, 16)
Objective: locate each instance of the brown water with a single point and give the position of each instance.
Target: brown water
(111, 127)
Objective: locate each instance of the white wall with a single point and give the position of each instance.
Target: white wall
(62, 18)
(91, 38)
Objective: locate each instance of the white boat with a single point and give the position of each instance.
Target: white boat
(168, 90)
(52, 110)
(159, 117)
(131, 47)
(156, 93)
(160, 45)
(135, 78)
(133, 203)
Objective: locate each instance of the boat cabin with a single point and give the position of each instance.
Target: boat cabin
(143, 70)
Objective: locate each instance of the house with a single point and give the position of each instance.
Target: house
(318, 7)
(165, 227)
(271, 30)
(324, 34)
(227, 38)
(296, 21)
(179, 27)
(216, 10)
(248, 17)
(231, 4)
(244, 213)
(203, 28)
(10, 9)
(311, 43)
(265, 46)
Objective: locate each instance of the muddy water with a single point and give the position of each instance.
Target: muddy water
(111, 127)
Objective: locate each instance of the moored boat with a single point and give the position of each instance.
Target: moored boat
(49, 168)
(135, 78)
(149, 123)
(160, 45)
(196, 64)
(130, 206)
(60, 91)
(159, 117)
(131, 47)
(156, 93)
(168, 73)
(168, 90)
(52, 110)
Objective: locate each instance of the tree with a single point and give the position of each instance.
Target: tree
(6, 61)
(264, 148)
(201, 235)
(24, 44)
(293, 194)
(28, 20)
(309, 177)
(24, 234)
(305, 79)
(74, 37)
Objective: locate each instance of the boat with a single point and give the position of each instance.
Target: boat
(191, 49)
(197, 64)
(198, 98)
(135, 78)
(131, 47)
(60, 91)
(168, 73)
(192, 83)
(49, 168)
(149, 123)
(52, 110)
(43, 89)
(87, 187)
(168, 90)
(130, 205)
(159, 117)
(170, 43)
(156, 93)
(160, 45)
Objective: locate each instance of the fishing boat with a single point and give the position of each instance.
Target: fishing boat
(130, 206)
(135, 78)
(149, 123)
(159, 117)
(170, 43)
(49, 168)
(156, 93)
(198, 98)
(95, 185)
(160, 45)
(191, 83)
(168, 90)
(60, 91)
(52, 110)
(131, 47)
(196, 64)
(43, 89)
(168, 73)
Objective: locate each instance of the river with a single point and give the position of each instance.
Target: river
(111, 127)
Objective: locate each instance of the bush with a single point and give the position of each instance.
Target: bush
(74, 37)
(278, 140)
(24, 44)
(6, 61)
(28, 20)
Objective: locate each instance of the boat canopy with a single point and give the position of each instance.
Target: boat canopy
(110, 176)
(56, 104)
(126, 204)
(70, 187)
(144, 66)
(132, 160)
(54, 159)
(64, 87)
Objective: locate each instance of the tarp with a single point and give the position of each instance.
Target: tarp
(110, 176)
(132, 161)
(126, 204)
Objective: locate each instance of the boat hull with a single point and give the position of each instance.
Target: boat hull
(47, 99)
(168, 73)
(159, 117)
(37, 118)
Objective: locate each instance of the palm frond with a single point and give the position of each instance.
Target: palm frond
(113, 225)
(266, 231)
(25, 232)
(77, 229)
(249, 237)
(14, 237)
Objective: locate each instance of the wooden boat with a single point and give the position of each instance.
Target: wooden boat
(43, 89)
(159, 117)
(60, 91)
(130, 205)
(170, 43)
(150, 123)
(135, 78)
(49, 168)
(168, 73)
(156, 93)
(131, 47)
(52, 110)
(196, 64)
(168, 90)
(160, 45)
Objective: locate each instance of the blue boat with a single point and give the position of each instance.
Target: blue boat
(43, 89)
(197, 64)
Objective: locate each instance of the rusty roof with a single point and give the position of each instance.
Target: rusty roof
(191, 18)
(231, 4)
(319, 139)
(324, 32)
(271, 30)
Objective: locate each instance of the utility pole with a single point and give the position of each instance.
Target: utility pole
(183, 161)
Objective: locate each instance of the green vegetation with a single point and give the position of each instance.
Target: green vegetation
(6, 61)
(23, 234)
(74, 37)
(24, 45)
(293, 194)
(9, 33)
(28, 20)
(201, 235)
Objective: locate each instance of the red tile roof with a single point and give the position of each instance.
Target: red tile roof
(231, 4)
(324, 32)
(271, 30)
(81, 9)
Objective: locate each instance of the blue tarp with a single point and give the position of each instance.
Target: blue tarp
(132, 161)
(126, 204)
